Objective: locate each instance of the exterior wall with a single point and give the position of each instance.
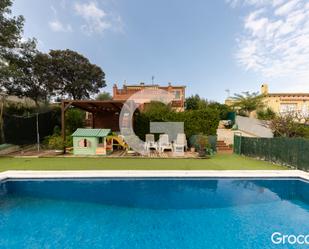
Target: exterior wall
(128, 90)
(277, 102)
(227, 135)
(107, 120)
(282, 102)
(85, 151)
(103, 120)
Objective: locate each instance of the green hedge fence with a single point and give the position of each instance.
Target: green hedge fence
(293, 152)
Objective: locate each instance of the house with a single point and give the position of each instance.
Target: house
(286, 102)
(178, 103)
(282, 103)
(90, 141)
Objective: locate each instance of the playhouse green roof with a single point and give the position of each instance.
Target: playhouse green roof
(91, 132)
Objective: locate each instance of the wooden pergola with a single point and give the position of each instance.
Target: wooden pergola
(105, 113)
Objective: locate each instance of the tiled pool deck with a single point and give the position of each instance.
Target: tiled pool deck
(20, 174)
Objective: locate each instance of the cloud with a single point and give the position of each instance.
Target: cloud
(96, 19)
(274, 41)
(235, 3)
(58, 26)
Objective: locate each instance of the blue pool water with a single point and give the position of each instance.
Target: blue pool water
(152, 213)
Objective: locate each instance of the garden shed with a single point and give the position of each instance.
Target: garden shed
(90, 141)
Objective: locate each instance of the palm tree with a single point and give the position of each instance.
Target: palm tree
(247, 102)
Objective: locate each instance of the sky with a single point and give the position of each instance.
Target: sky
(214, 47)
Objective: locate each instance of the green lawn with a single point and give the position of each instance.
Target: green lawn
(218, 162)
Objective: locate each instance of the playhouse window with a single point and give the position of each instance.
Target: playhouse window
(84, 143)
(100, 140)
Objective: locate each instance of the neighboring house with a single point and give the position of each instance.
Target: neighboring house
(286, 102)
(282, 103)
(127, 91)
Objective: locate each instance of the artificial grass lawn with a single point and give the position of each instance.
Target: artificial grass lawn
(218, 162)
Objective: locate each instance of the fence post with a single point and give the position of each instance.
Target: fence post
(37, 131)
(238, 134)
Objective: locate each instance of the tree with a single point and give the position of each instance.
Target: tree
(267, 114)
(76, 77)
(195, 102)
(291, 124)
(104, 96)
(221, 108)
(25, 74)
(247, 102)
(10, 31)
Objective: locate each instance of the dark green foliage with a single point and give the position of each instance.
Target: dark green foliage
(203, 121)
(157, 111)
(75, 118)
(25, 76)
(55, 142)
(304, 131)
(22, 129)
(75, 76)
(223, 109)
(205, 145)
(283, 150)
(104, 96)
(267, 114)
(10, 30)
(195, 102)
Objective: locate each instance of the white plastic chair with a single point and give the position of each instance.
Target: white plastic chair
(180, 144)
(150, 142)
(164, 143)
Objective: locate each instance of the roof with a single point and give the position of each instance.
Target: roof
(96, 105)
(91, 132)
(143, 85)
(288, 94)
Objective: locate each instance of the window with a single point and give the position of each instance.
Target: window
(100, 140)
(288, 107)
(84, 143)
(177, 94)
(305, 110)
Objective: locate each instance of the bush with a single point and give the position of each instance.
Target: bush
(267, 114)
(202, 121)
(55, 142)
(75, 118)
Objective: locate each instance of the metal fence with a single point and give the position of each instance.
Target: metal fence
(22, 130)
(293, 152)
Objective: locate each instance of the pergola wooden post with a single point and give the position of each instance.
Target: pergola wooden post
(95, 107)
(64, 106)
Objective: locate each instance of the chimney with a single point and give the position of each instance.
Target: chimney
(115, 88)
(264, 89)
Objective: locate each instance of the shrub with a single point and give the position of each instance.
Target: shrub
(202, 121)
(55, 142)
(75, 118)
(267, 114)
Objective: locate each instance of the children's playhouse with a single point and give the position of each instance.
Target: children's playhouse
(90, 141)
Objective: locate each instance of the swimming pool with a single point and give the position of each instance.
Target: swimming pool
(151, 213)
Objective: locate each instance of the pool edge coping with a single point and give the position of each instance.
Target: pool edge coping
(57, 174)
